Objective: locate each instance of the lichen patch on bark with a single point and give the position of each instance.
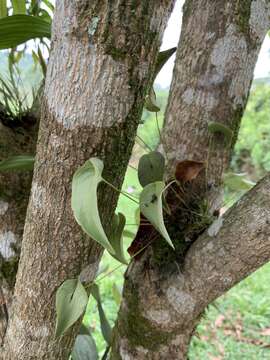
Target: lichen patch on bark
(259, 17)
(158, 316)
(180, 300)
(7, 239)
(38, 194)
(3, 207)
(228, 48)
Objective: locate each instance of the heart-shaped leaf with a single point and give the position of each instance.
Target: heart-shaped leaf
(151, 168)
(18, 163)
(104, 323)
(85, 346)
(116, 237)
(84, 201)
(151, 207)
(71, 301)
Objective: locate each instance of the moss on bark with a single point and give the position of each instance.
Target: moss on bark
(135, 327)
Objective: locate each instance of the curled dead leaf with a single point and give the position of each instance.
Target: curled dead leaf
(188, 170)
(145, 235)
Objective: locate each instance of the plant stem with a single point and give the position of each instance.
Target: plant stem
(146, 145)
(120, 191)
(132, 167)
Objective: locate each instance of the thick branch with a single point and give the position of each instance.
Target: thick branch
(102, 56)
(217, 53)
(214, 264)
(218, 49)
(14, 195)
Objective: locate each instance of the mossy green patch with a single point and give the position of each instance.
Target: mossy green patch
(9, 269)
(117, 54)
(242, 9)
(184, 226)
(137, 328)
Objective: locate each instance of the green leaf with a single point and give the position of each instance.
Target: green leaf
(19, 7)
(85, 346)
(237, 182)
(18, 163)
(151, 168)
(17, 29)
(84, 201)
(116, 237)
(17, 56)
(35, 58)
(3, 8)
(150, 101)
(129, 234)
(163, 57)
(42, 62)
(104, 323)
(49, 4)
(151, 207)
(216, 127)
(116, 294)
(71, 302)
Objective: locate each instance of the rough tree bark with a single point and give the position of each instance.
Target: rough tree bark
(16, 138)
(103, 54)
(216, 56)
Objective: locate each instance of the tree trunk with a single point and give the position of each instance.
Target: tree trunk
(164, 296)
(102, 57)
(15, 139)
(166, 306)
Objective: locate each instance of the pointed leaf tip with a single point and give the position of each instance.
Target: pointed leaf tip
(18, 163)
(151, 207)
(116, 237)
(71, 301)
(104, 323)
(84, 201)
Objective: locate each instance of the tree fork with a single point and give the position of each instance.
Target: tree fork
(211, 81)
(102, 57)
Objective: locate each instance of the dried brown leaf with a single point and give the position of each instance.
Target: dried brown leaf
(145, 235)
(188, 170)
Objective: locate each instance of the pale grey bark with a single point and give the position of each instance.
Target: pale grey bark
(102, 57)
(216, 56)
(166, 307)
